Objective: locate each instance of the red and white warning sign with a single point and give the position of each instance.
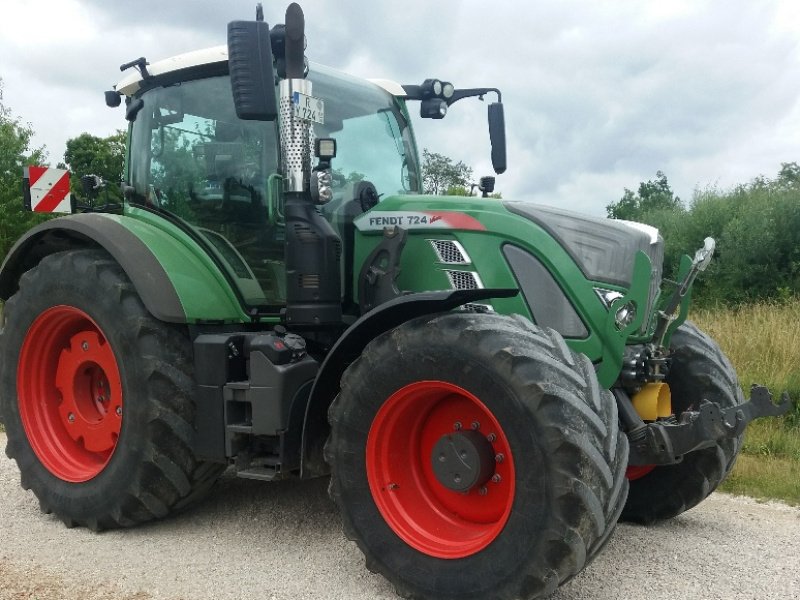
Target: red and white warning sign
(47, 190)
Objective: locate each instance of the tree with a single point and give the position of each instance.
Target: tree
(653, 195)
(91, 155)
(15, 153)
(788, 176)
(441, 175)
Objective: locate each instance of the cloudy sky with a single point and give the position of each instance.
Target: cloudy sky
(599, 95)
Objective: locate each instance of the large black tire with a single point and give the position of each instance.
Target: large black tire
(143, 466)
(699, 370)
(559, 428)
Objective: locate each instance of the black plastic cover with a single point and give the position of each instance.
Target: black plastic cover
(252, 71)
(313, 277)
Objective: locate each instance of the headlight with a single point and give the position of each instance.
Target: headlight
(608, 296)
(625, 315)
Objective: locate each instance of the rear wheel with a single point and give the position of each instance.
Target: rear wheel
(97, 396)
(699, 370)
(474, 456)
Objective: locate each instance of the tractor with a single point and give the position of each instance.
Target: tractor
(490, 384)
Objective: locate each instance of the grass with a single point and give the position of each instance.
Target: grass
(762, 342)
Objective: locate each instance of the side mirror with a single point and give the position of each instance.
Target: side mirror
(497, 137)
(252, 70)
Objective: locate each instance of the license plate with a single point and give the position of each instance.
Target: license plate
(309, 108)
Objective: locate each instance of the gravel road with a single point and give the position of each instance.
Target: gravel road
(283, 541)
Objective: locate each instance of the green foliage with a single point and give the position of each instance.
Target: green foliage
(440, 175)
(91, 155)
(15, 154)
(756, 226)
(457, 190)
(653, 196)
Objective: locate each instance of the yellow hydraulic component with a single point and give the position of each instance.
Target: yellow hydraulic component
(653, 401)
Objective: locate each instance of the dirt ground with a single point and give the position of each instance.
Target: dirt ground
(283, 541)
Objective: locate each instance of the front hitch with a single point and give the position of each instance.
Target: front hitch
(665, 442)
(702, 258)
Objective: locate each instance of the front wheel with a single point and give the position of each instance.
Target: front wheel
(474, 456)
(96, 396)
(699, 371)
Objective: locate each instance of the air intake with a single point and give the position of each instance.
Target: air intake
(450, 252)
(464, 280)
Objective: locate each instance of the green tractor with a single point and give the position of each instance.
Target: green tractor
(490, 384)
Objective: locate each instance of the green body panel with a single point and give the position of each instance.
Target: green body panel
(201, 287)
(421, 271)
(683, 309)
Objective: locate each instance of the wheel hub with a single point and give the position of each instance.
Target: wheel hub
(69, 394)
(463, 461)
(90, 410)
(449, 508)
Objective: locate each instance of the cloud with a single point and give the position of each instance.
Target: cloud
(599, 96)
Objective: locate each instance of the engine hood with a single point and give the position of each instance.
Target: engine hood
(604, 249)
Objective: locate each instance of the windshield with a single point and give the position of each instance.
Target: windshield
(373, 139)
(193, 157)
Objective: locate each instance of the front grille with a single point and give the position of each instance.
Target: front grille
(464, 280)
(450, 252)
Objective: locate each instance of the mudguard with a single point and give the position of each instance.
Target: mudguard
(352, 343)
(177, 283)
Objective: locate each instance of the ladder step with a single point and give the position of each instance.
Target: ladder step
(260, 473)
(240, 428)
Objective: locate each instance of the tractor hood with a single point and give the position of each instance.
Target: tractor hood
(604, 249)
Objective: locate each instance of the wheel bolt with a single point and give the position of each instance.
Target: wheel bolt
(499, 457)
(71, 418)
(119, 411)
(85, 346)
(483, 491)
(476, 425)
(101, 398)
(491, 437)
(393, 486)
(496, 478)
(457, 425)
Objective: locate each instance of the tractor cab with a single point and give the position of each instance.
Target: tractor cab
(192, 158)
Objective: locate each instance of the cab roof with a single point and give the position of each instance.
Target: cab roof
(131, 82)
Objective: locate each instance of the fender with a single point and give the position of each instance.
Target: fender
(166, 273)
(352, 343)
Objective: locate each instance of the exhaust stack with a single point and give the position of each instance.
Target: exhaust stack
(313, 249)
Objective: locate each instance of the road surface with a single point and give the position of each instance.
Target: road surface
(282, 541)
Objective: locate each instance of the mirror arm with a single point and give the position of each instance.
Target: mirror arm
(471, 93)
(414, 92)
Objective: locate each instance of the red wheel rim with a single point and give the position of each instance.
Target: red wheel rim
(635, 472)
(423, 512)
(70, 394)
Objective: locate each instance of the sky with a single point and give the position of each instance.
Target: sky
(598, 96)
